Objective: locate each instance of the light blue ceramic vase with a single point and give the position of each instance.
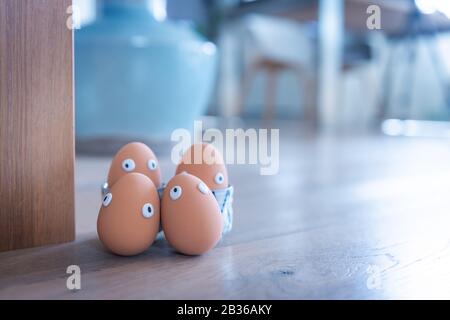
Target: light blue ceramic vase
(137, 76)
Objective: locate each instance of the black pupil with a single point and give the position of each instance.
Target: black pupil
(175, 190)
(126, 165)
(105, 198)
(149, 209)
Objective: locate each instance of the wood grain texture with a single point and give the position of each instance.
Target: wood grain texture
(36, 124)
(348, 217)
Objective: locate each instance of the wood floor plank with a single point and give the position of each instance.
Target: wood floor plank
(346, 217)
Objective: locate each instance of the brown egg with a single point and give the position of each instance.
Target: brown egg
(215, 174)
(135, 157)
(190, 215)
(128, 221)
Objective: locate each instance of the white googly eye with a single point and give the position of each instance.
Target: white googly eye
(219, 178)
(128, 165)
(175, 192)
(152, 164)
(147, 210)
(107, 199)
(203, 188)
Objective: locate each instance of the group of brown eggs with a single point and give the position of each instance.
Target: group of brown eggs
(136, 206)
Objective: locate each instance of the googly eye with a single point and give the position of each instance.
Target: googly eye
(147, 210)
(203, 188)
(107, 199)
(152, 164)
(219, 178)
(128, 165)
(175, 192)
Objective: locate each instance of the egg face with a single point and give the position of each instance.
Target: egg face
(190, 215)
(129, 217)
(135, 157)
(213, 173)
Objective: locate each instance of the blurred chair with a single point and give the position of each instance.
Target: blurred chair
(420, 28)
(274, 45)
(359, 85)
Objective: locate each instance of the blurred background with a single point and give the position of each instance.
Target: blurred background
(146, 67)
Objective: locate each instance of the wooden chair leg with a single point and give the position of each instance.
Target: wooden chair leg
(308, 88)
(247, 82)
(270, 95)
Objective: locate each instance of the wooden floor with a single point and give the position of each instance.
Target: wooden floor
(347, 217)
